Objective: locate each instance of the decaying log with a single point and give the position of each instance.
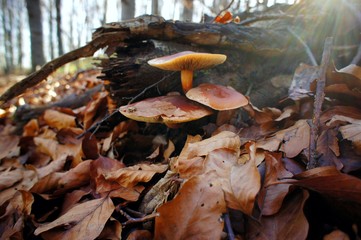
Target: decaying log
(214, 36)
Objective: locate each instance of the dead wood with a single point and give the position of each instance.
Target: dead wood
(112, 35)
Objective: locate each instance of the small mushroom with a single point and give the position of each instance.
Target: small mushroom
(187, 62)
(217, 97)
(171, 110)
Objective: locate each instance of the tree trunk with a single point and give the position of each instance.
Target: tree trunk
(155, 8)
(187, 14)
(20, 28)
(105, 6)
(7, 20)
(128, 9)
(36, 33)
(58, 27)
(51, 29)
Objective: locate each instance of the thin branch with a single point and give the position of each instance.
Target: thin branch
(38, 76)
(307, 48)
(319, 98)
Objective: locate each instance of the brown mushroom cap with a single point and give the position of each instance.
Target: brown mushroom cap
(187, 60)
(170, 110)
(217, 97)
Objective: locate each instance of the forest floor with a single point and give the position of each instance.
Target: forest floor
(292, 171)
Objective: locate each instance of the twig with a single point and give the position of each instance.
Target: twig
(225, 9)
(227, 223)
(307, 48)
(149, 87)
(136, 220)
(319, 98)
(38, 76)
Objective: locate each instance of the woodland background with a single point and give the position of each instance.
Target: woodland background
(285, 166)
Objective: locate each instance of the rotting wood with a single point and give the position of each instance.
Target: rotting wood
(148, 27)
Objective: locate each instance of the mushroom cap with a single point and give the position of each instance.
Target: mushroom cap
(170, 110)
(187, 60)
(217, 97)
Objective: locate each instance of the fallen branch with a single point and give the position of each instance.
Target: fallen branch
(152, 27)
(319, 98)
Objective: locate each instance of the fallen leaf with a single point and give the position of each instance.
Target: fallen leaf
(291, 140)
(10, 177)
(58, 120)
(84, 221)
(288, 223)
(272, 195)
(13, 219)
(195, 213)
(131, 176)
(330, 182)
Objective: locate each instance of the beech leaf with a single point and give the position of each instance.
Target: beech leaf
(83, 221)
(195, 212)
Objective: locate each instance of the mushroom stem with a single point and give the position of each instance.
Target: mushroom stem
(187, 80)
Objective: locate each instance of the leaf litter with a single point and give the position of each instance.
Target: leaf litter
(148, 181)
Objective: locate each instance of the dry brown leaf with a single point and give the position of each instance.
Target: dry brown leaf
(112, 230)
(245, 182)
(9, 144)
(103, 186)
(29, 179)
(84, 221)
(140, 234)
(95, 109)
(13, 219)
(47, 144)
(289, 223)
(271, 196)
(195, 213)
(351, 131)
(10, 177)
(31, 129)
(225, 139)
(58, 120)
(336, 235)
(131, 176)
(330, 182)
(291, 140)
(327, 147)
(264, 115)
(353, 70)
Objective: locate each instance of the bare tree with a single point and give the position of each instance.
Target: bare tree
(128, 9)
(155, 7)
(187, 14)
(105, 7)
(36, 33)
(58, 27)
(51, 30)
(7, 20)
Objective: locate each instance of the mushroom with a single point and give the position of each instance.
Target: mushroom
(170, 109)
(187, 62)
(217, 97)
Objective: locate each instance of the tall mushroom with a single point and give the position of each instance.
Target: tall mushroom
(187, 62)
(217, 97)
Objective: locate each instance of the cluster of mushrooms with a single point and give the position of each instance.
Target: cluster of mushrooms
(174, 109)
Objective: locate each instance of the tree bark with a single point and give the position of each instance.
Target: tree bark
(128, 9)
(58, 27)
(155, 7)
(51, 29)
(36, 33)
